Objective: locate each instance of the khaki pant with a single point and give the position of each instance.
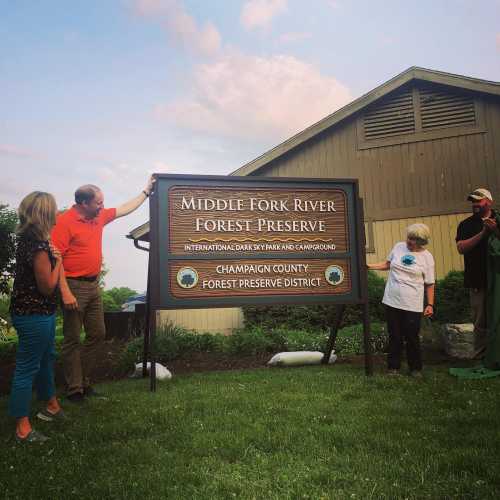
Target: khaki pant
(79, 358)
(478, 311)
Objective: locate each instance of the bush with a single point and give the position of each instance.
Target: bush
(316, 317)
(8, 350)
(172, 342)
(303, 340)
(4, 307)
(251, 341)
(350, 339)
(452, 299)
(8, 222)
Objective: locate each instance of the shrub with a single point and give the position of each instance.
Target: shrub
(316, 317)
(4, 307)
(251, 341)
(350, 339)
(452, 299)
(8, 222)
(256, 340)
(8, 350)
(303, 340)
(172, 342)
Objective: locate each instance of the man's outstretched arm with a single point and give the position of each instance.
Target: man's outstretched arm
(131, 205)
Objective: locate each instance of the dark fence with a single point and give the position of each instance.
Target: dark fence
(125, 325)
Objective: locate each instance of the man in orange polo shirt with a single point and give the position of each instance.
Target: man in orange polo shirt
(78, 236)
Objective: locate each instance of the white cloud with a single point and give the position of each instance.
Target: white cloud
(259, 13)
(334, 4)
(293, 37)
(160, 167)
(18, 152)
(183, 28)
(12, 190)
(256, 97)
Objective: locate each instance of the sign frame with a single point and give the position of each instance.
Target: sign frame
(158, 279)
(160, 239)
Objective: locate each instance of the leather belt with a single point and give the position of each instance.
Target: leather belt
(83, 278)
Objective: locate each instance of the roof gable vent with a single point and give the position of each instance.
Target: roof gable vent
(444, 109)
(394, 116)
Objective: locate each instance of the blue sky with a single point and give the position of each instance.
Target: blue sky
(108, 91)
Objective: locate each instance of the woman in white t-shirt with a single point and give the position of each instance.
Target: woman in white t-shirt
(411, 276)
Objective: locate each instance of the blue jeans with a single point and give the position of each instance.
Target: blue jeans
(34, 362)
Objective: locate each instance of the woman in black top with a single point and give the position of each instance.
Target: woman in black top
(32, 307)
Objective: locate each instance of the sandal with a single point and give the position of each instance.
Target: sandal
(47, 416)
(32, 437)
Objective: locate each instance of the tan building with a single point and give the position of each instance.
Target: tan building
(418, 144)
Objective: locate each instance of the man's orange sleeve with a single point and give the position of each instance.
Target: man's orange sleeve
(61, 237)
(109, 215)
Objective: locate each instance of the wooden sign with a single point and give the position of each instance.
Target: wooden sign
(229, 241)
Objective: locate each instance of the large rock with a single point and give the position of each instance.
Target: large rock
(458, 340)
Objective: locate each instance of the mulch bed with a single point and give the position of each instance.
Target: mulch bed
(197, 362)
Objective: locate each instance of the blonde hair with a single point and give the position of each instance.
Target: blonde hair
(37, 215)
(420, 233)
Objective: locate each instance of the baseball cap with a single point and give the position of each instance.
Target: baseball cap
(480, 194)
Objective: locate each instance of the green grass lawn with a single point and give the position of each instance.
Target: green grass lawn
(315, 432)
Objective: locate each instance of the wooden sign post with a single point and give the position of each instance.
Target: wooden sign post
(230, 241)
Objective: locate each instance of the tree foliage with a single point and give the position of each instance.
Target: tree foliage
(115, 297)
(8, 222)
(102, 275)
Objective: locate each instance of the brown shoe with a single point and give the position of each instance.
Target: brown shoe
(76, 397)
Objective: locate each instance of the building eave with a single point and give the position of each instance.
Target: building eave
(413, 73)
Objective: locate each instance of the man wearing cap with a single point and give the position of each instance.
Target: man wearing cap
(472, 242)
(78, 236)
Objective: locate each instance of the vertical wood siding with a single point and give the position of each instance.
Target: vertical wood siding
(442, 245)
(223, 320)
(425, 181)
(415, 179)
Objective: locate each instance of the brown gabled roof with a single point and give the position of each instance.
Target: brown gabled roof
(141, 233)
(413, 73)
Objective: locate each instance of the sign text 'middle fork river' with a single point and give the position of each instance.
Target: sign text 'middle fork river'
(258, 205)
(256, 220)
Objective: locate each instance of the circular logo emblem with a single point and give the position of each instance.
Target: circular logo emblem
(334, 275)
(408, 259)
(187, 277)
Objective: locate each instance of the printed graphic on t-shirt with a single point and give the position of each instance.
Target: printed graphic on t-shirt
(409, 273)
(408, 260)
